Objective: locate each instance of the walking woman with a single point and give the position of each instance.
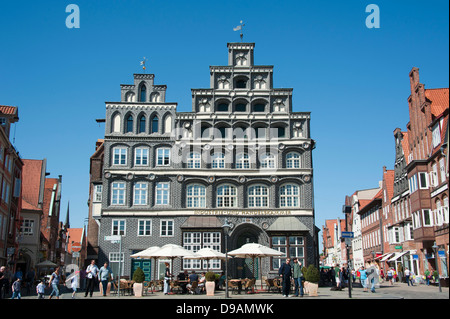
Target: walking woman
(167, 276)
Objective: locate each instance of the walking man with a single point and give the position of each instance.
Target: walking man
(105, 275)
(91, 276)
(285, 272)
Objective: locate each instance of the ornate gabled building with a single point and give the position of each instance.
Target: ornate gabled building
(241, 155)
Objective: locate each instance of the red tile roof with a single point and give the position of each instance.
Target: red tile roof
(389, 182)
(439, 100)
(31, 175)
(75, 236)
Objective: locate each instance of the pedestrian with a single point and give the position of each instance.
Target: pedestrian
(16, 289)
(54, 283)
(427, 276)
(285, 272)
(91, 277)
(372, 280)
(40, 290)
(167, 276)
(363, 278)
(337, 279)
(390, 275)
(105, 275)
(298, 277)
(29, 280)
(2, 280)
(74, 281)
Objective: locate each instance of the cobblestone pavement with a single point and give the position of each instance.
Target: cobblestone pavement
(397, 291)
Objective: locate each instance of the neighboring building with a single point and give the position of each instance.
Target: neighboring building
(10, 187)
(50, 228)
(370, 216)
(95, 201)
(359, 199)
(32, 211)
(242, 154)
(427, 172)
(332, 241)
(76, 236)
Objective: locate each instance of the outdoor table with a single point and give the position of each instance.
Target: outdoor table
(183, 284)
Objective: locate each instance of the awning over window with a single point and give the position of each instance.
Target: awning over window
(384, 257)
(202, 222)
(398, 255)
(287, 224)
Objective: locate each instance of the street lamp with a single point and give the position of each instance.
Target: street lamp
(435, 249)
(226, 229)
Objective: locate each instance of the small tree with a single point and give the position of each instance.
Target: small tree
(138, 275)
(210, 276)
(312, 274)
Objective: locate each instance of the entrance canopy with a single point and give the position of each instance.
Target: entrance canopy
(398, 255)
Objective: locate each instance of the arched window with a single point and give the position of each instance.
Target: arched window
(241, 84)
(293, 160)
(289, 195)
(143, 93)
(154, 124)
(218, 160)
(242, 161)
(222, 107)
(196, 196)
(116, 127)
(130, 123)
(194, 160)
(268, 160)
(226, 196)
(142, 124)
(258, 107)
(258, 196)
(240, 107)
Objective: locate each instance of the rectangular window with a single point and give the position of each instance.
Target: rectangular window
(98, 193)
(442, 169)
(166, 228)
(423, 180)
(436, 135)
(144, 227)
(140, 193)
(118, 227)
(192, 241)
(27, 228)
(120, 156)
(141, 157)
(278, 243)
(114, 260)
(162, 193)
(427, 218)
(163, 157)
(118, 193)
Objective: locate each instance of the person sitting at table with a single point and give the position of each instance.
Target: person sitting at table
(201, 282)
(221, 280)
(192, 277)
(182, 278)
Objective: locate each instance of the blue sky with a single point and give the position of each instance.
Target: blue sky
(353, 80)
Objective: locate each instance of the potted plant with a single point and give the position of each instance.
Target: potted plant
(210, 284)
(138, 278)
(312, 277)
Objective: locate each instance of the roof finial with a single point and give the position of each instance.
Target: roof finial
(143, 64)
(239, 27)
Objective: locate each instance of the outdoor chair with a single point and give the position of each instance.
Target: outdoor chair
(193, 289)
(277, 284)
(234, 286)
(270, 285)
(250, 285)
(175, 287)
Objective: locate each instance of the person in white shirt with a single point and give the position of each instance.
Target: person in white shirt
(408, 276)
(91, 276)
(40, 289)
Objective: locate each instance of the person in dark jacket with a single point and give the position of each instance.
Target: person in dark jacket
(285, 272)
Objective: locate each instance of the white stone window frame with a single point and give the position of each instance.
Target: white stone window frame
(119, 227)
(196, 196)
(162, 193)
(163, 156)
(166, 228)
(258, 193)
(141, 156)
(120, 155)
(218, 160)
(194, 160)
(140, 194)
(226, 196)
(293, 160)
(242, 161)
(118, 191)
(288, 197)
(144, 228)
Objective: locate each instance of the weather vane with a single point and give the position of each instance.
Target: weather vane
(239, 27)
(143, 64)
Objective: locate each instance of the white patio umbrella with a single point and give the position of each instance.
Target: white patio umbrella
(171, 251)
(144, 254)
(253, 251)
(208, 254)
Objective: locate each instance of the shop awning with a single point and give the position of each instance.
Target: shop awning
(398, 255)
(384, 256)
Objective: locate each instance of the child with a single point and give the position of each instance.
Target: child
(16, 289)
(40, 289)
(74, 284)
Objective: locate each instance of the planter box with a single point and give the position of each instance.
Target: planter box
(210, 286)
(311, 288)
(138, 289)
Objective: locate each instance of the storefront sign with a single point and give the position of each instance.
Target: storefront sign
(441, 254)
